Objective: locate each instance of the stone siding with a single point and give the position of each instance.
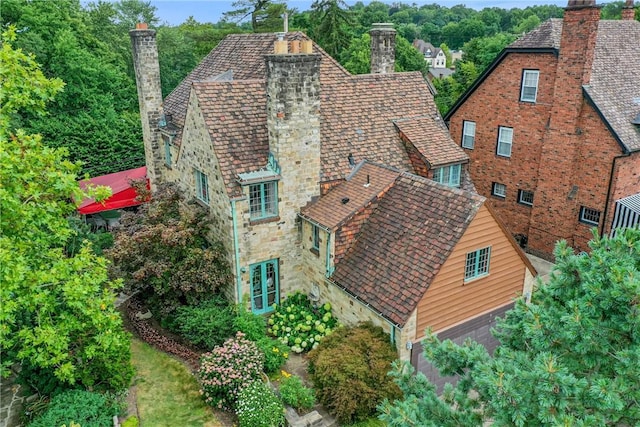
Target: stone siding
(383, 48)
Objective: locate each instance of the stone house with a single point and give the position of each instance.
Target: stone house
(561, 144)
(268, 126)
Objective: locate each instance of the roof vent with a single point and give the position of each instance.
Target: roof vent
(352, 161)
(345, 200)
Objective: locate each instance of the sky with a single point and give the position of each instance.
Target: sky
(175, 12)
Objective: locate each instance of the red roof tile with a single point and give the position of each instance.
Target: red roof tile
(430, 137)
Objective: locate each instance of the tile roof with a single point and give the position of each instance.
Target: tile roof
(331, 211)
(429, 136)
(615, 78)
(236, 117)
(403, 245)
(547, 35)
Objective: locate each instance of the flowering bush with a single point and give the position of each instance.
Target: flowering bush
(275, 354)
(258, 406)
(299, 325)
(226, 370)
(294, 393)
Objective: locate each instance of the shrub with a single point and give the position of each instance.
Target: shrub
(295, 394)
(258, 406)
(275, 354)
(252, 325)
(206, 325)
(78, 406)
(299, 325)
(226, 370)
(349, 371)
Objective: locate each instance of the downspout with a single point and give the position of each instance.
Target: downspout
(236, 250)
(328, 267)
(606, 202)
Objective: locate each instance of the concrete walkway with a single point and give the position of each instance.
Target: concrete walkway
(11, 401)
(543, 267)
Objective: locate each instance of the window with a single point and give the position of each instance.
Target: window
(263, 200)
(167, 150)
(505, 137)
(316, 237)
(589, 216)
(525, 197)
(202, 187)
(529, 89)
(477, 264)
(499, 190)
(448, 175)
(468, 134)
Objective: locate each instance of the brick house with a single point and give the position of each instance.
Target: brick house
(561, 143)
(267, 126)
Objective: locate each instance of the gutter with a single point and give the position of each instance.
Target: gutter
(236, 250)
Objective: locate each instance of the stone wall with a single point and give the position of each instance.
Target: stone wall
(383, 48)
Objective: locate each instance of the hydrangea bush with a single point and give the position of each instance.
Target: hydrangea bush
(299, 325)
(258, 406)
(229, 368)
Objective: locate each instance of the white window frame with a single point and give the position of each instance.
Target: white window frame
(505, 141)
(499, 189)
(477, 264)
(468, 134)
(524, 201)
(448, 175)
(202, 186)
(587, 214)
(530, 80)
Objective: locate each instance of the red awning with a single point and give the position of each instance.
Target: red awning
(122, 193)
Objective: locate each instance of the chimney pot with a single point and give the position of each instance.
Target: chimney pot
(295, 46)
(581, 3)
(141, 26)
(307, 46)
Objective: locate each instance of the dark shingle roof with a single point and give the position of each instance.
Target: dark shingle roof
(331, 210)
(547, 35)
(615, 78)
(430, 138)
(403, 245)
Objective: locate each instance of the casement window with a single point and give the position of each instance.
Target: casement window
(589, 216)
(525, 197)
(202, 187)
(167, 150)
(529, 90)
(468, 134)
(505, 139)
(448, 175)
(477, 264)
(263, 200)
(315, 230)
(499, 190)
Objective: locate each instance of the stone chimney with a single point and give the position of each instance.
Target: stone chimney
(383, 48)
(147, 69)
(293, 119)
(628, 12)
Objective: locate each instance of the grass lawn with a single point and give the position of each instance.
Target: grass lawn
(167, 394)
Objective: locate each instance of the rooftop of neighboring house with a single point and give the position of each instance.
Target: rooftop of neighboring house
(357, 111)
(613, 86)
(426, 48)
(405, 240)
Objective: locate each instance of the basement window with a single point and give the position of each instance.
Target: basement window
(589, 216)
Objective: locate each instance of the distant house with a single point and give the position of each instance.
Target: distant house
(552, 127)
(269, 130)
(435, 58)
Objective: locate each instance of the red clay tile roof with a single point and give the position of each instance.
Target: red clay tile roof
(331, 211)
(430, 137)
(403, 245)
(236, 117)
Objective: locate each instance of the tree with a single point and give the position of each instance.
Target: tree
(330, 25)
(266, 15)
(357, 57)
(570, 357)
(163, 252)
(57, 315)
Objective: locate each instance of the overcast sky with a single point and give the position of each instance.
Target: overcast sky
(176, 12)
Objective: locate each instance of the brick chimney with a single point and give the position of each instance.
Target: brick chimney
(383, 48)
(147, 69)
(628, 12)
(293, 118)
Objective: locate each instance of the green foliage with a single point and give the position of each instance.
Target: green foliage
(252, 325)
(299, 325)
(81, 231)
(570, 357)
(349, 371)
(163, 252)
(131, 421)
(229, 368)
(483, 51)
(57, 310)
(357, 57)
(77, 406)
(258, 406)
(295, 394)
(266, 15)
(207, 324)
(275, 354)
(331, 25)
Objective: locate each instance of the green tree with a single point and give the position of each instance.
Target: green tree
(265, 15)
(483, 50)
(57, 314)
(570, 357)
(357, 57)
(330, 25)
